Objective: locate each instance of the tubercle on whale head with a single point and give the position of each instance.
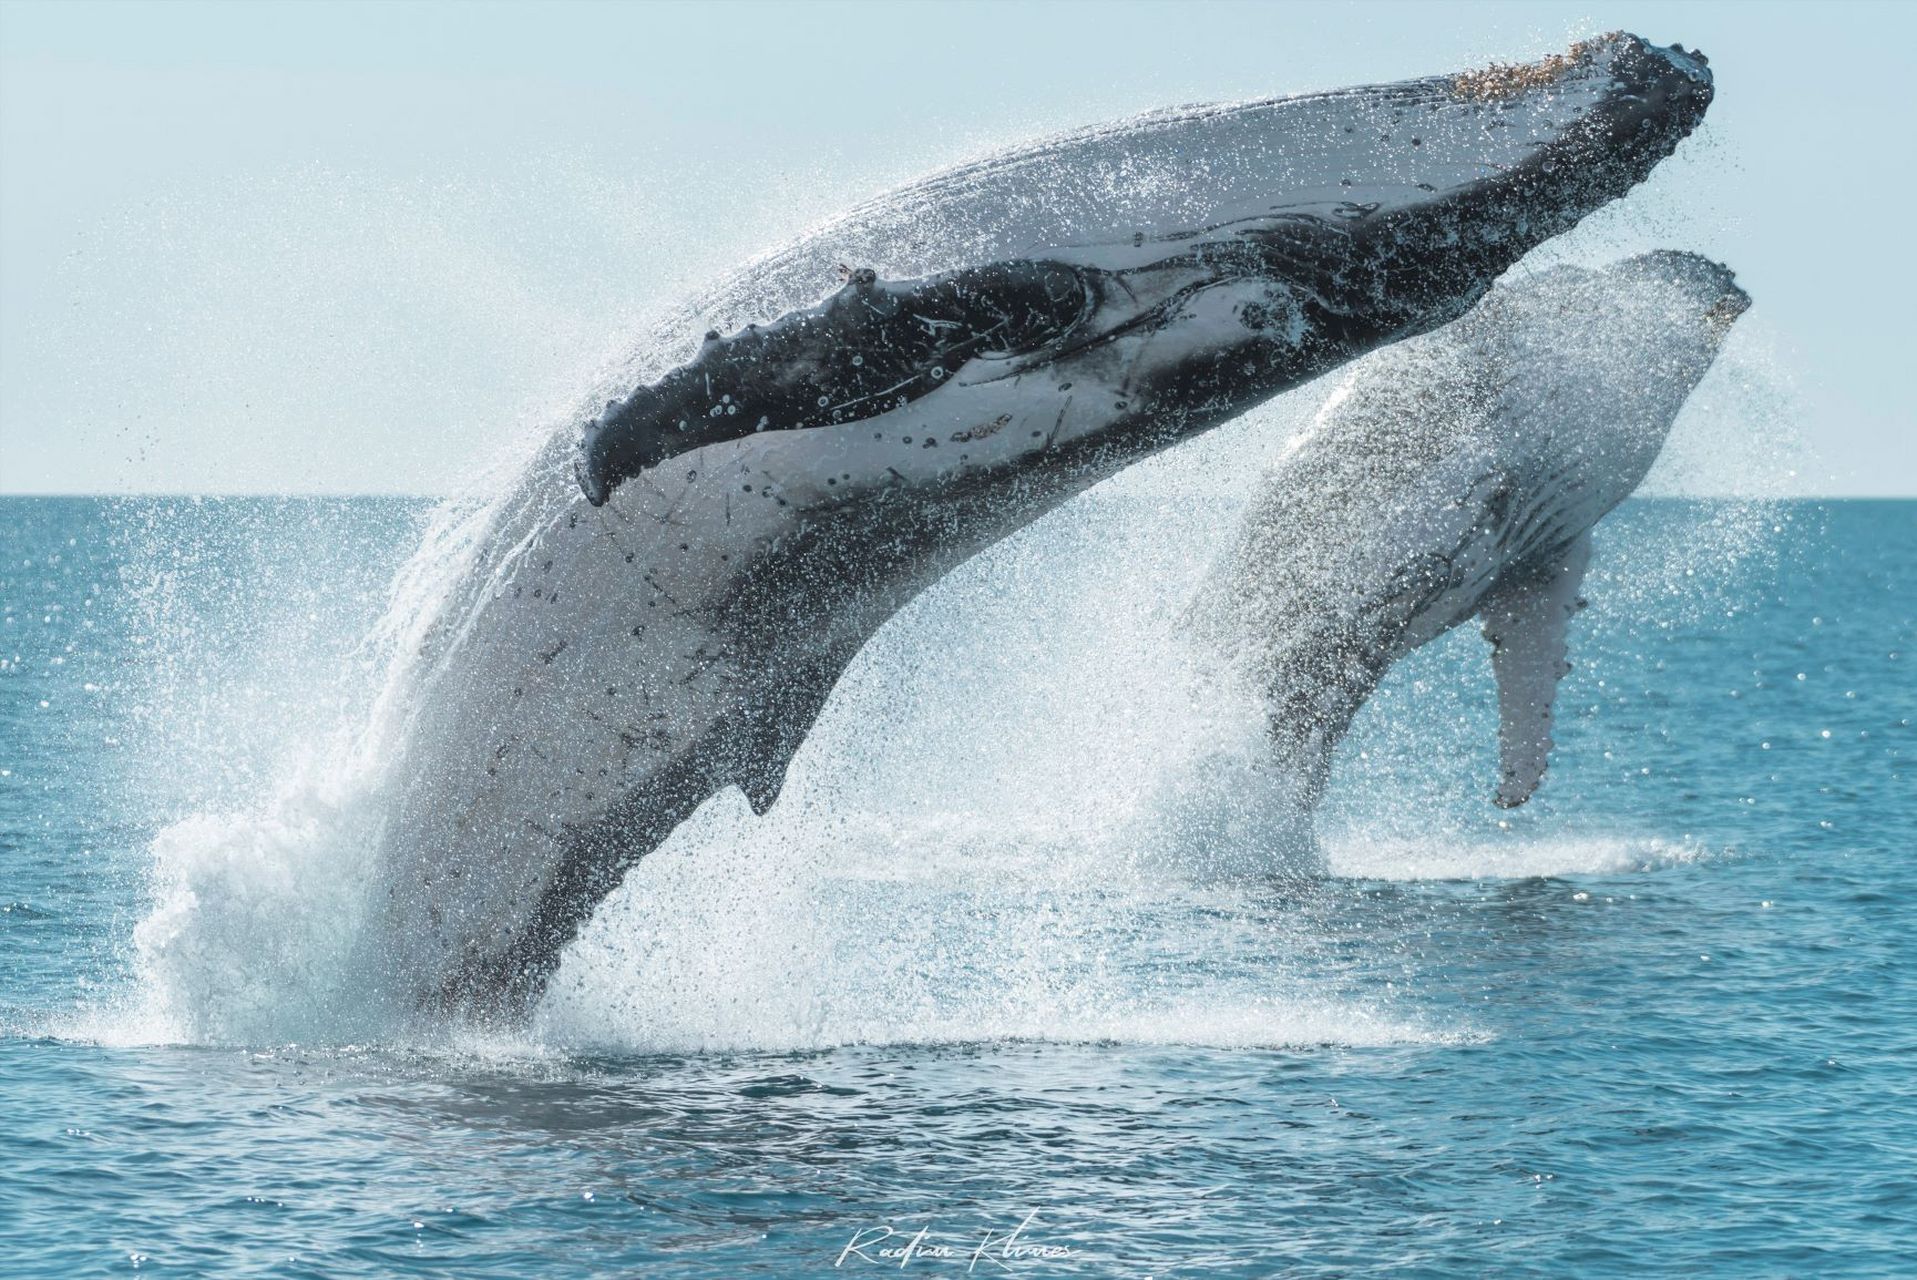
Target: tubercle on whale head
(1731, 301)
(1659, 96)
(1725, 311)
(1670, 87)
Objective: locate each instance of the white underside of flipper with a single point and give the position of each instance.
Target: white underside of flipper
(1525, 619)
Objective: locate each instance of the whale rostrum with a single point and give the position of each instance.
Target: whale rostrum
(660, 605)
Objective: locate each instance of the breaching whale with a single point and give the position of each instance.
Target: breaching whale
(658, 607)
(1457, 476)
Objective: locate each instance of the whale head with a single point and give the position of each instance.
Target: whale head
(1172, 270)
(1658, 321)
(1690, 297)
(1597, 363)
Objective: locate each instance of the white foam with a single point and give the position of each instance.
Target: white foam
(991, 834)
(1357, 856)
(256, 921)
(743, 934)
(966, 849)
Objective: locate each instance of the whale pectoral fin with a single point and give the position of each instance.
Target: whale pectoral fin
(1525, 618)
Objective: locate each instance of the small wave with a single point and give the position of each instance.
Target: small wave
(1355, 856)
(1255, 1024)
(794, 933)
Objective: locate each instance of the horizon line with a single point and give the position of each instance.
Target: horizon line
(227, 495)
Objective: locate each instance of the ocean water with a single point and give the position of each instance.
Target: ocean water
(954, 994)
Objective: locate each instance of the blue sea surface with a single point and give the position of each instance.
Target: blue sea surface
(1661, 1021)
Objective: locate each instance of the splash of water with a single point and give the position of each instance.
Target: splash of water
(992, 832)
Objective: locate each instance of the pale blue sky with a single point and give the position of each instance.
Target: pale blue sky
(357, 247)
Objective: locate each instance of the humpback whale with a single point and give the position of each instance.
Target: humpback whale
(1457, 476)
(659, 605)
